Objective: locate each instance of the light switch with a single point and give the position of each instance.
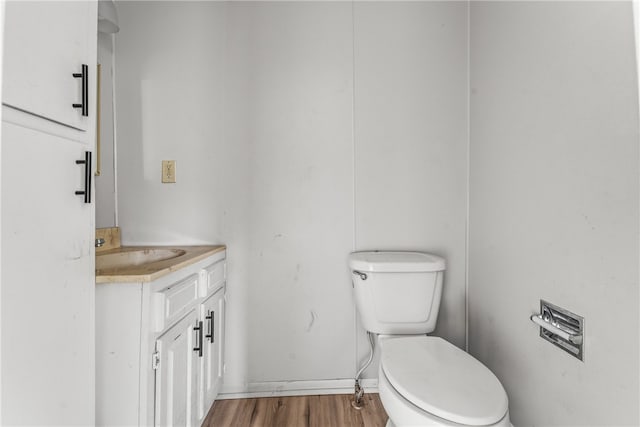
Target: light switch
(168, 171)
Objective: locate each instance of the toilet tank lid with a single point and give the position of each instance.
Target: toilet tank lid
(396, 262)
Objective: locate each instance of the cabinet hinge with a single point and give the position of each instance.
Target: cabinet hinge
(155, 360)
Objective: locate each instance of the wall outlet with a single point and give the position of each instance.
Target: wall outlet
(168, 171)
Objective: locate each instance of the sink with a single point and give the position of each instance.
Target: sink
(135, 257)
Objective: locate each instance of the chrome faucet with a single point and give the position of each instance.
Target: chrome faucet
(99, 242)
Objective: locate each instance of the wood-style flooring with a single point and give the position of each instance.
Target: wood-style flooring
(333, 410)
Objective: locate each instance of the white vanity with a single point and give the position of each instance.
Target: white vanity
(159, 336)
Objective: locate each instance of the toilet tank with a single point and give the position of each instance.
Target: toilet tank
(397, 292)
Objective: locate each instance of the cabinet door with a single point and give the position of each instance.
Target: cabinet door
(48, 282)
(46, 42)
(176, 375)
(211, 365)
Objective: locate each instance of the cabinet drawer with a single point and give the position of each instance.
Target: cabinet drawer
(172, 302)
(215, 276)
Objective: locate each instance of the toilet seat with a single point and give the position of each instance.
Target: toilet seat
(443, 380)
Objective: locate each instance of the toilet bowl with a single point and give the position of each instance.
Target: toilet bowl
(423, 380)
(426, 381)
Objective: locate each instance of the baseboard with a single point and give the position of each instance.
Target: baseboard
(297, 388)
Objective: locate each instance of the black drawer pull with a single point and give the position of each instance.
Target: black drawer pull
(84, 75)
(212, 323)
(198, 346)
(87, 177)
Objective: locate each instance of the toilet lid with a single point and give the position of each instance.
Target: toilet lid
(443, 380)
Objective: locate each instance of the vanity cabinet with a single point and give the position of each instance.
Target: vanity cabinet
(160, 346)
(175, 363)
(211, 366)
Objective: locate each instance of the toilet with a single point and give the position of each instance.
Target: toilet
(422, 380)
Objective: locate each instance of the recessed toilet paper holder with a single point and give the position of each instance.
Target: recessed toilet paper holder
(561, 328)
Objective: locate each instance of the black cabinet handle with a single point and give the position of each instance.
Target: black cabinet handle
(84, 75)
(198, 346)
(87, 177)
(211, 317)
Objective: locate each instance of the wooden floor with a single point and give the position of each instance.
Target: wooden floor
(298, 411)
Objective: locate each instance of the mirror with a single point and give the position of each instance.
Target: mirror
(105, 179)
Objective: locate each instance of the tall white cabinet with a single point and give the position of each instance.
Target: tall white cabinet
(46, 43)
(47, 262)
(160, 346)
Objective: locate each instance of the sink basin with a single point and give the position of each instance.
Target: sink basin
(135, 257)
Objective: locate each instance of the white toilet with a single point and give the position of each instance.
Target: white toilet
(422, 380)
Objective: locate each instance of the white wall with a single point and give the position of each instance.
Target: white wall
(554, 205)
(411, 139)
(300, 137)
(298, 113)
(255, 101)
(171, 91)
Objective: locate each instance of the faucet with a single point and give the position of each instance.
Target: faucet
(99, 242)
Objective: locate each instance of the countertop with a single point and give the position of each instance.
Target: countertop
(153, 270)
